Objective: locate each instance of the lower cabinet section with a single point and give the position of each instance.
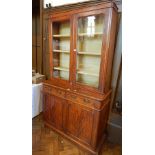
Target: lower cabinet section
(81, 123)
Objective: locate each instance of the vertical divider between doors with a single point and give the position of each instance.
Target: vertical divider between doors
(73, 53)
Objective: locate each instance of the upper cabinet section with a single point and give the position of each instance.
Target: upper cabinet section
(89, 47)
(61, 49)
(81, 46)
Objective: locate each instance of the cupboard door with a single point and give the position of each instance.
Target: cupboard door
(79, 122)
(89, 35)
(60, 47)
(56, 112)
(53, 110)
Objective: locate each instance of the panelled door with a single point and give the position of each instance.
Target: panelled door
(56, 112)
(79, 122)
(53, 108)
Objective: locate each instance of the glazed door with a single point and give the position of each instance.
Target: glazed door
(88, 44)
(60, 47)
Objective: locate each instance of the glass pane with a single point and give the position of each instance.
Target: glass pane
(61, 49)
(89, 44)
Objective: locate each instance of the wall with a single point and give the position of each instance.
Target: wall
(115, 118)
(34, 41)
(36, 36)
(117, 66)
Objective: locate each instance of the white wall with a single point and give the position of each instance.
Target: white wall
(61, 2)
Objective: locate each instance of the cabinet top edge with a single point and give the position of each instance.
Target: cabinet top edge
(80, 5)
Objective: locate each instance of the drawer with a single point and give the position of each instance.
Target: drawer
(80, 99)
(58, 92)
(46, 89)
(54, 91)
(86, 100)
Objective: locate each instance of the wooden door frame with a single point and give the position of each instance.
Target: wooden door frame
(51, 20)
(104, 50)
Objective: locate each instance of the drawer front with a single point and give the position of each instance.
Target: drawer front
(47, 89)
(72, 97)
(54, 91)
(80, 99)
(58, 92)
(75, 98)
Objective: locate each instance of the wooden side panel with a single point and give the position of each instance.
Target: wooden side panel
(46, 107)
(79, 122)
(34, 50)
(112, 39)
(103, 121)
(47, 64)
(39, 59)
(38, 28)
(34, 57)
(33, 29)
(45, 41)
(37, 36)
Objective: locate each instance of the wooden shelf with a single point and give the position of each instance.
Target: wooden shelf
(89, 84)
(87, 73)
(61, 51)
(61, 69)
(88, 35)
(89, 53)
(61, 35)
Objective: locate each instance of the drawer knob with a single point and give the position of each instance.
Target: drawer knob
(68, 89)
(86, 100)
(59, 92)
(75, 90)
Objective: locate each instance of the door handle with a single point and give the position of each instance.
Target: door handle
(86, 100)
